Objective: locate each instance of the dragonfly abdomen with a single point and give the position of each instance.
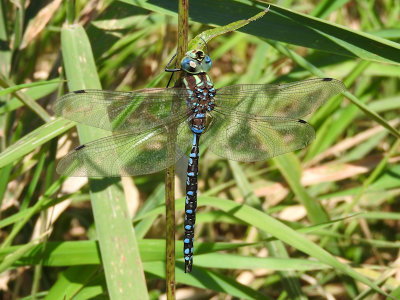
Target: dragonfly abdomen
(201, 93)
(191, 202)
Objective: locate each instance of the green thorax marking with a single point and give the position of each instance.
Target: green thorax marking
(198, 83)
(201, 92)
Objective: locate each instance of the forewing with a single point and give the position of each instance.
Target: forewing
(126, 154)
(290, 100)
(124, 111)
(245, 139)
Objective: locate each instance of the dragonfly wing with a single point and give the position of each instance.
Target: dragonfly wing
(244, 139)
(134, 111)
(126, 154)
(290, 100)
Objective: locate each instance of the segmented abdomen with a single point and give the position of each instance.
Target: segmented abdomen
(201, 94)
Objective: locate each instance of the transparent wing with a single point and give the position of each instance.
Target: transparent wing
(123, 111)
(290, 100)
(244, 139)
(126, 154)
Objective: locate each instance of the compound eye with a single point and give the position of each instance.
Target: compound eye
(190, 65)
(207, 63)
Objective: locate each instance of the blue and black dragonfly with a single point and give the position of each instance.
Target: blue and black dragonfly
(247, 122)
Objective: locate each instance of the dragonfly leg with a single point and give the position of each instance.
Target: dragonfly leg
(171, 70)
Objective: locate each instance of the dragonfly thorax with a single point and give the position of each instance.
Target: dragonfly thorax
(200, 99)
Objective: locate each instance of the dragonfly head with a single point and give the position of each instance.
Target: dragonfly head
(195, 62)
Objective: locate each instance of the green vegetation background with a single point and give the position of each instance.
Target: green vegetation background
(319, 223)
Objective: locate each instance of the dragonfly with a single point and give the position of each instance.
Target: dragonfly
(151, 129)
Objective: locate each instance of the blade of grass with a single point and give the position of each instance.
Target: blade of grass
(284, 233)
(287, 26)
(208, 35)
(64, 254)
(371, 113)
(18, 87)
(367, 183)
(16, 255)
(5, 51)
(325, 7)
(210, 280)
(33, 140)
(94, 289)
(71, 281)
(289, 166)
(120, 255)
(276, 248)
(27, 215)
(155, 199)
(34, 93)
(35, 107)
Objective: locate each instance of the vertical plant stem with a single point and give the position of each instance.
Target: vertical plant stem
(19, 24)
(70, 11)
(170, 172)
(183, 28)
(170, 235)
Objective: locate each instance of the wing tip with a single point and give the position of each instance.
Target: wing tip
(338, 83)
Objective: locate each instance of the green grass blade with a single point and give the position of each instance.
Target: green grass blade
(210, 280)
(5, 51)
(10, 259)
(372, 114)
(155, 199)
(290, 280)
(325, 7)
(33, 140)
(287, 26)
(34, 93)
(208, 35)
(289, 166)
(61, 254)
(264, 222)
(18, 87)
(35, 107)
(94, 289)
(120, 254)
(237, 262)
(71, 281)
